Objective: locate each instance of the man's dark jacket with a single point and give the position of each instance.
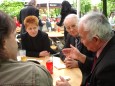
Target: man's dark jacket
(103, 73)
(83, 49)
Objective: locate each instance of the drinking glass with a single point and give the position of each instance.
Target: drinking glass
(49, 64)
(22, 54)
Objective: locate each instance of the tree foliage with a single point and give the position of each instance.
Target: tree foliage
(110, 6)
(85, 6)
(12, 8)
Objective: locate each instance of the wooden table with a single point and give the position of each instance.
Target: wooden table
(56, 37)
(74, 74)
(55, 34)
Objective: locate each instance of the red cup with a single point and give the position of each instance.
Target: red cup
(49, 65)
(58, 29)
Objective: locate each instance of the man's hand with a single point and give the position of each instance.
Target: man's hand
(71, 52)
(71, 63)
(74, 53)
(62, 82)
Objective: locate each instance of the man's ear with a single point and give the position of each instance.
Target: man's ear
(96, 38)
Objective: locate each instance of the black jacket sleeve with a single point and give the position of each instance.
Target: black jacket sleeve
(70, 40)
(86, 67)
(46, 44)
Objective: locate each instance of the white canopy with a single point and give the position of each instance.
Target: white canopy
(49, 1)
(43, 1)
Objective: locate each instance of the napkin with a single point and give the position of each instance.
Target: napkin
(59, 66)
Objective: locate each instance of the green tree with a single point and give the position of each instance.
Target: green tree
(11, 7)
(110, 6)
(85, 6)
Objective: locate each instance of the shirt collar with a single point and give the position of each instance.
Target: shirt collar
(101, 49)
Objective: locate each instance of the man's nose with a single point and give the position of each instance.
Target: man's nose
(33, 30)
(71, 29)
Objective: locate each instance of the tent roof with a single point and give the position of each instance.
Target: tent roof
(48, 1)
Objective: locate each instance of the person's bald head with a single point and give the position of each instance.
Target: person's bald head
(71, 17)
(71, 24)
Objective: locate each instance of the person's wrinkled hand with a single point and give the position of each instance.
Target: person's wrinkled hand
(74, 53)
(71, 63)
(44, 53)
(66, 52)
(62, 82)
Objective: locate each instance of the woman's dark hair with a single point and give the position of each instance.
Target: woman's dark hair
(7, 26)
(66, 6)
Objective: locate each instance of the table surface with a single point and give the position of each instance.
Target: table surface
(55, 34)
(74, 74)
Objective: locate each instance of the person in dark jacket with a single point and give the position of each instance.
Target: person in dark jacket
(71, 24)
(65, 10)
(70, 40)
(35, 42)
(97, 35)
(30, 9)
